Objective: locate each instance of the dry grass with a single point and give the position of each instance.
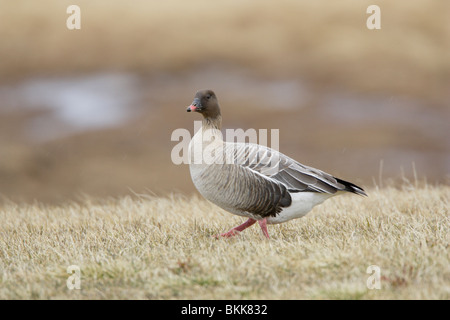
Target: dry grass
(161, 248)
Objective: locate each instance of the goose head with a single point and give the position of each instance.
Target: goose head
(205, 102)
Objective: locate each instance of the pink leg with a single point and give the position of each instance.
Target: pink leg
(238, 229)
(263, 225)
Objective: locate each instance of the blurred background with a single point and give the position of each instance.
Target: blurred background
(91, 111)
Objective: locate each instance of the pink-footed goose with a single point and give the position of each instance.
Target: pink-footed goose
(251, 180)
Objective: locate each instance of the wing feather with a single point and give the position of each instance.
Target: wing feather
(264, 178)
(280, 168)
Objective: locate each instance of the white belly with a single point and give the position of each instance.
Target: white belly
(302, 203)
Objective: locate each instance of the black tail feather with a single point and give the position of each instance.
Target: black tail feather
(350, 187)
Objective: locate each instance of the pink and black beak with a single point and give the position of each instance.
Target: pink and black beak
(195, 106)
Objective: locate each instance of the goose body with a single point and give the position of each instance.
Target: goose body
(251, 180)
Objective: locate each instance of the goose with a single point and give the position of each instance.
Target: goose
(252, 180)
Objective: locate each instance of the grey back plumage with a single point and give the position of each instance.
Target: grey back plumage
(280, 168)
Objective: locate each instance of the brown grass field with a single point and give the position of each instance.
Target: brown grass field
(144, 247)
